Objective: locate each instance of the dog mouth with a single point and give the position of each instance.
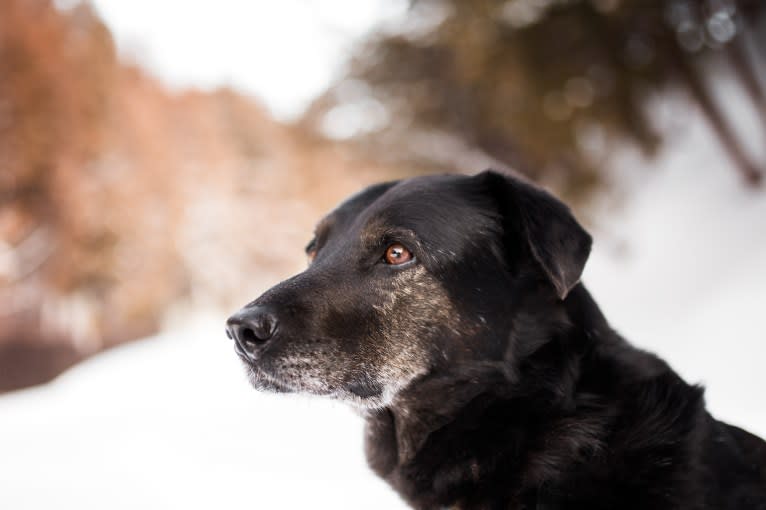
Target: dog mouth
(266, 378)
(262, 380)
(365, 390)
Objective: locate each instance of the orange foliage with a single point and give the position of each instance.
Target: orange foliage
(118, 199)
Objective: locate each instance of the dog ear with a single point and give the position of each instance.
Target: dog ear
(557, 242)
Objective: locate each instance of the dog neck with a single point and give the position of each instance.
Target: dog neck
(411, 418)
(398, 432)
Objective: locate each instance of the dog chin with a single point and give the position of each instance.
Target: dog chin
(362, 404)
(263, 382)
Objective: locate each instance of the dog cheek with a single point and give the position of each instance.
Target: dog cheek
(415, 315)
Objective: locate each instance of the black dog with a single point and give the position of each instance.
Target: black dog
(448, 310)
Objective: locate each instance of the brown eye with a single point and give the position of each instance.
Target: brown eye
(397, 254)
(311, 251)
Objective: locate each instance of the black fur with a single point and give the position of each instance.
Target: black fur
(488, 376)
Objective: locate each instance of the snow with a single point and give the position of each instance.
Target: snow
(171, 422)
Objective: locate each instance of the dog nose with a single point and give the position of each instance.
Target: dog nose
(251, 329)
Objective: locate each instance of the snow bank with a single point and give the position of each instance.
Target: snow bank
(172, 423)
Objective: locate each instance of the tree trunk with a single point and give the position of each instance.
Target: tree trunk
(747, 75)
(699, 90)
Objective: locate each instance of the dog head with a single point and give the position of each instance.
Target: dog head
(411, 278)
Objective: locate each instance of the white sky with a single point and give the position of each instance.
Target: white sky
(283, 52)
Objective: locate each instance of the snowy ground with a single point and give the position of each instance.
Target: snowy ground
(171, 422)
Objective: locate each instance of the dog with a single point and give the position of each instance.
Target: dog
(448, 310)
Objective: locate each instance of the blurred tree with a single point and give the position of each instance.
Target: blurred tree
(55, 74)
(119, 199)
(545, 86)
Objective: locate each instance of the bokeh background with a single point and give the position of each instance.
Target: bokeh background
(162, 163)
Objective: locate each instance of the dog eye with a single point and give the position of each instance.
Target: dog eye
(397, 254)
(311, 251)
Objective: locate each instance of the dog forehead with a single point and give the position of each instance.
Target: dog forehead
(422, 186)
(365, 209)
(340, 218)
(436, 206)
(413, 197)
(431, 203)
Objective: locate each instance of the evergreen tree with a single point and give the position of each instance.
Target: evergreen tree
(549, 87)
